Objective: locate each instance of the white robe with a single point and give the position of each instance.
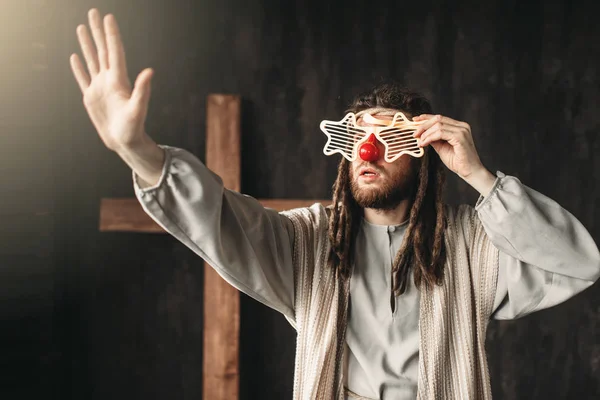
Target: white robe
(546, 257)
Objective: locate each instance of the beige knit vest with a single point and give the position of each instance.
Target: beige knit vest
(452, 322)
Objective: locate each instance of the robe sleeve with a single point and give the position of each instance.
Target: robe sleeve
(247, 244)
(546, 255)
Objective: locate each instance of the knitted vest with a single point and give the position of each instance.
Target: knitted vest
(452, 321)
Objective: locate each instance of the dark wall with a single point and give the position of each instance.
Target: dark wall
(86, 315)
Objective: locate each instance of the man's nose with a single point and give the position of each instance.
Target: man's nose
(370, 150)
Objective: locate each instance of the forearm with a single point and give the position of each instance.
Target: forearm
(536, 230)
(146, 159)
(248, 245)
(546, 255)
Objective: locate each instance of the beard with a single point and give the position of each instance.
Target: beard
(388, 193)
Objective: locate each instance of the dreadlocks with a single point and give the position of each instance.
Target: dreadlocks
(423, 246)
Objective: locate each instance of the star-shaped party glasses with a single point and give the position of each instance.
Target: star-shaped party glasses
(346, 137)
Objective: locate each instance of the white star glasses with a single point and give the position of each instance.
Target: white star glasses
(352, 141)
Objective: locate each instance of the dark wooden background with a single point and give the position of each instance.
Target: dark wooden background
(85, 315)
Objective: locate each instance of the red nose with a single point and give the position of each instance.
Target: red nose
(368, 150)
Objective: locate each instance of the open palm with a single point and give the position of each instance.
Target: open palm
(117, 112)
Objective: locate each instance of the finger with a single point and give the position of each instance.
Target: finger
(99, 38)
(441, 118)
(141, 91)
(81, 76)
(88, 50)
(422, 117)
(430, 120)
(436, 132)
(116, 52)
(439, 145)
(453, 122)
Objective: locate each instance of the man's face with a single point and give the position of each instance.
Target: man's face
(382, 185)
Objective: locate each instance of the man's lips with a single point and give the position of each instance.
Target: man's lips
(367, 171)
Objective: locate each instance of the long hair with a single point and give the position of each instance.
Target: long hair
(423, 246)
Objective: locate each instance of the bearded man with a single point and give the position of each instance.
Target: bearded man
(389, 289)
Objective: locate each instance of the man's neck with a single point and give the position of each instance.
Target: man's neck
(395, 216)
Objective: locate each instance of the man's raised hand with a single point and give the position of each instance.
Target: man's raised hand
(117, 112)
(453, 142)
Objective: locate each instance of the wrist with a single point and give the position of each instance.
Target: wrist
(481, 180)
(142, 144)
(145, 158)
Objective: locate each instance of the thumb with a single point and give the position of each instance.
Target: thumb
(141, 90)
(437, 145)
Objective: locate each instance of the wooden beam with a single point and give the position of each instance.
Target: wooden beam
(127, 215)
(220, 369)
(288, 204)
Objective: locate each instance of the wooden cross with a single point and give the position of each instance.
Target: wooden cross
(220, 367)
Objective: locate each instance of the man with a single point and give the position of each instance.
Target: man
(389, 289)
